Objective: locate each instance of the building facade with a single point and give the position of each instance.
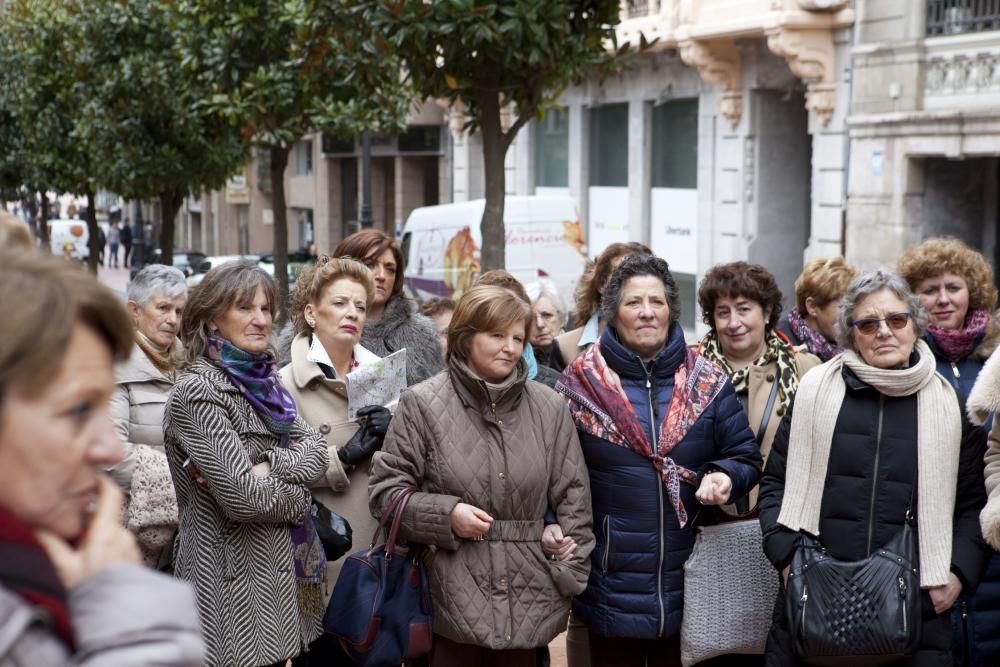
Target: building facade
(725, 140)
(924, 126)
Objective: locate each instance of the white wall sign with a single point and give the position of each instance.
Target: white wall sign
(674, 227)
(608, 213)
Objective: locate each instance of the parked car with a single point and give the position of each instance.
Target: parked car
(185, 259)
(217, 260)
(296, 260)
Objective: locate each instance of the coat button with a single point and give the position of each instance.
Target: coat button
(781, 411)
(502, 583)
(324, 429)
(502, 476)
(500, 422)
(507, 636)
(770, 377)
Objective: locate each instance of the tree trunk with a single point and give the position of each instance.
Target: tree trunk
(93, 243)
(279, 160)
(43, 225)
(170, 203)
(493, 252)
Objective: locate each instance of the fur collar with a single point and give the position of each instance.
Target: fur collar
(985, 395)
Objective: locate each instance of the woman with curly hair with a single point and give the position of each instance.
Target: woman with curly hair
(818, 291)
(954, 284)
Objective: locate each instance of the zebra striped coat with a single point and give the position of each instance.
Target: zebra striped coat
(233, 542)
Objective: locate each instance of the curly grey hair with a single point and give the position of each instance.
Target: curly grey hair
(634, 266)
(864, 286)
(157, 280)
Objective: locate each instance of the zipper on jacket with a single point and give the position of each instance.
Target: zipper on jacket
(651, 396)
(954, 369)
(878, 446)
(966, 644)
(902, 605)
(802, 614)
(607, 542)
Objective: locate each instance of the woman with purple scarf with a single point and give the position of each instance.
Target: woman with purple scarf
(954, 284)
(242, 461)
(818, 291)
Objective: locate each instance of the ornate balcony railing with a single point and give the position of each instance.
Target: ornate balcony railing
(635, 8)
(953, 17)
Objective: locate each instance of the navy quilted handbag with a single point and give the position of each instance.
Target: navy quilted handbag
(381, 605)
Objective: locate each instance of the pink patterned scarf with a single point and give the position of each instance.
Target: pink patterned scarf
(956, 344)
(600, 407)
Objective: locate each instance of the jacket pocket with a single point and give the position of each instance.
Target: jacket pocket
(606, 534)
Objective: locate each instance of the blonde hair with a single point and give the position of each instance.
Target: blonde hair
(14, 233)
(222, 287)
(485, 308)
(52, 296)
(313, 279)
(825, 279)
(944, 254)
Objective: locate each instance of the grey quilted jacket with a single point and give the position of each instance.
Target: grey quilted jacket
(513, 456)
(233, 543)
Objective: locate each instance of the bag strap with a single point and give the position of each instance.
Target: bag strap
(389, 513)
(397, 519)
(768, 408)
(908, 517)
(743, 504)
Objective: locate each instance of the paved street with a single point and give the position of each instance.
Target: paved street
(116, 279)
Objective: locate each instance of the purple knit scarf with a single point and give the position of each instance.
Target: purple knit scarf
(956, 344)
(814, 340)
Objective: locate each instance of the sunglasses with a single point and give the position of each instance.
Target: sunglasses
(870, 325)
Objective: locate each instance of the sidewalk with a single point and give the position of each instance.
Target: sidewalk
(116, 279)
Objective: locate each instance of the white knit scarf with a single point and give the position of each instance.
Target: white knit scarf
(939, 435)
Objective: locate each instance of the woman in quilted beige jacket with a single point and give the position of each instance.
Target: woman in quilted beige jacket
(489, 453)
(156, 297)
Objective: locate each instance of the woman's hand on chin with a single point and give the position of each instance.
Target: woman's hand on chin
(715, 489)
(105, 543)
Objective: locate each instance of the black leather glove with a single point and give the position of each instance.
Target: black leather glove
(359, 447)
(376, 419)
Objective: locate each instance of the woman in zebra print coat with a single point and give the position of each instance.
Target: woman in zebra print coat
(242, 460)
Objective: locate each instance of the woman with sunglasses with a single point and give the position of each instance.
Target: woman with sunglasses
(862, 430)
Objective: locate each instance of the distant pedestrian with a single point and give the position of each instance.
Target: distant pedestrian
(102, 243)
(114, 237)
(125, 235)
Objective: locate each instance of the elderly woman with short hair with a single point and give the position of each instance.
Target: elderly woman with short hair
(156, 297)
(488, 452)
(550, 317)
(72, 588)
(865, 428)
(818, 290)
(663, 434)
(242, 461)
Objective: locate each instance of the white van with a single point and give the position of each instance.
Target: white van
(545, 239)
(68, 238)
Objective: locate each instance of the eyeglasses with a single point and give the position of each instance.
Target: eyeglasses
(870, 325)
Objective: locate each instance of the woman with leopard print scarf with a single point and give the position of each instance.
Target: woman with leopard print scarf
(741, 303)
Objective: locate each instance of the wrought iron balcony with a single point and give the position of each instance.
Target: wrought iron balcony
(953, 17)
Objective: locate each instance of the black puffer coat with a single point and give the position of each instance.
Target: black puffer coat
(868, 476)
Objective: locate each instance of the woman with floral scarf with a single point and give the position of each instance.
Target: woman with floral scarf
(818, 291)
(954, 284)
(242, 461)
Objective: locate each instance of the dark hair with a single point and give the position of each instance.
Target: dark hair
(436, 305)
(636, 266)
(46, 297)
(369, 244)
(588, 290)
(736, 279)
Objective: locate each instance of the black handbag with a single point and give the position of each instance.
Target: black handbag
(856, 612)
(333, 530)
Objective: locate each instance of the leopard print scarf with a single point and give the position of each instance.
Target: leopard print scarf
(777, 349)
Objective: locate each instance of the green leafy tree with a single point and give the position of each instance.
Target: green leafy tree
(278, 70)
(44, 85)
(488, 55)
(151, 134)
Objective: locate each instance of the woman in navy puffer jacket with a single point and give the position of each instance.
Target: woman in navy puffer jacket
(663, 434)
